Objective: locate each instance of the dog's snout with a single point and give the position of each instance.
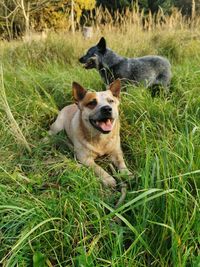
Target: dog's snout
(106, 110)
(81, 60)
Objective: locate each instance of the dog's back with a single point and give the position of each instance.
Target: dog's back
(147, 70)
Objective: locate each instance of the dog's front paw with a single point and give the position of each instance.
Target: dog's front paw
(126, 172)
(109, 182)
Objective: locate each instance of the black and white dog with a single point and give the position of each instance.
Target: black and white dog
(147, 70)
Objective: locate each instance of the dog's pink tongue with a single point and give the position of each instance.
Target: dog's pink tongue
(106, 126)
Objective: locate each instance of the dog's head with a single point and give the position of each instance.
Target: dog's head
(93, 56)
(99, 110)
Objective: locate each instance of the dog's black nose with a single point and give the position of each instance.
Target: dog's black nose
(106, 110)
(81, 60)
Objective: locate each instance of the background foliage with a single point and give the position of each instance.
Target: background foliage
(19, 17)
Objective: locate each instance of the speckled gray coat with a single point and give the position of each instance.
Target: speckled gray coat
(147, 70)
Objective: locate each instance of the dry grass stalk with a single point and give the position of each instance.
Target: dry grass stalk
(16, 131)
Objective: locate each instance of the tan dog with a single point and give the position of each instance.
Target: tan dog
(92, 125)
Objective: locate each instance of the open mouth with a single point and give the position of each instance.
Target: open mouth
(90, 64)
(104, 125)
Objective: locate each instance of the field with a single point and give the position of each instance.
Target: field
(56, 213)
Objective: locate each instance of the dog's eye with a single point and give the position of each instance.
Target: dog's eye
(92, 104)
(110, 101)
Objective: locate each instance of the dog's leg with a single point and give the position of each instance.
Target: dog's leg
(107, 179)
(118, 160)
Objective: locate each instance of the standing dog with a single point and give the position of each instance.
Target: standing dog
(147, 70)
(92, 125)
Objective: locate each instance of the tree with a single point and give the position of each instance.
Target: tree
(24, 14)
(154, 5)
(187, 6)
(77, 7)
(17, 12)
(113, 5)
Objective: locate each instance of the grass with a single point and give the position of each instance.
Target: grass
(56, 213)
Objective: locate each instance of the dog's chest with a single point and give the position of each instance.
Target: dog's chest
(104, 146)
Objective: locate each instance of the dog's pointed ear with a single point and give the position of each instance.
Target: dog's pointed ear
(78, 92)
(115, 88)
(102, 45)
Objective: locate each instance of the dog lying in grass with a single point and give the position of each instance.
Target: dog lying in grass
(92, 125)
(150, 71)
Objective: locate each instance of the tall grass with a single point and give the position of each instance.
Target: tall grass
(56, 213)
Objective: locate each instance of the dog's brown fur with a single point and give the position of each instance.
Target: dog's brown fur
(90, 142)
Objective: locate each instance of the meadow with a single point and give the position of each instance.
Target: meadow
(54, 212)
